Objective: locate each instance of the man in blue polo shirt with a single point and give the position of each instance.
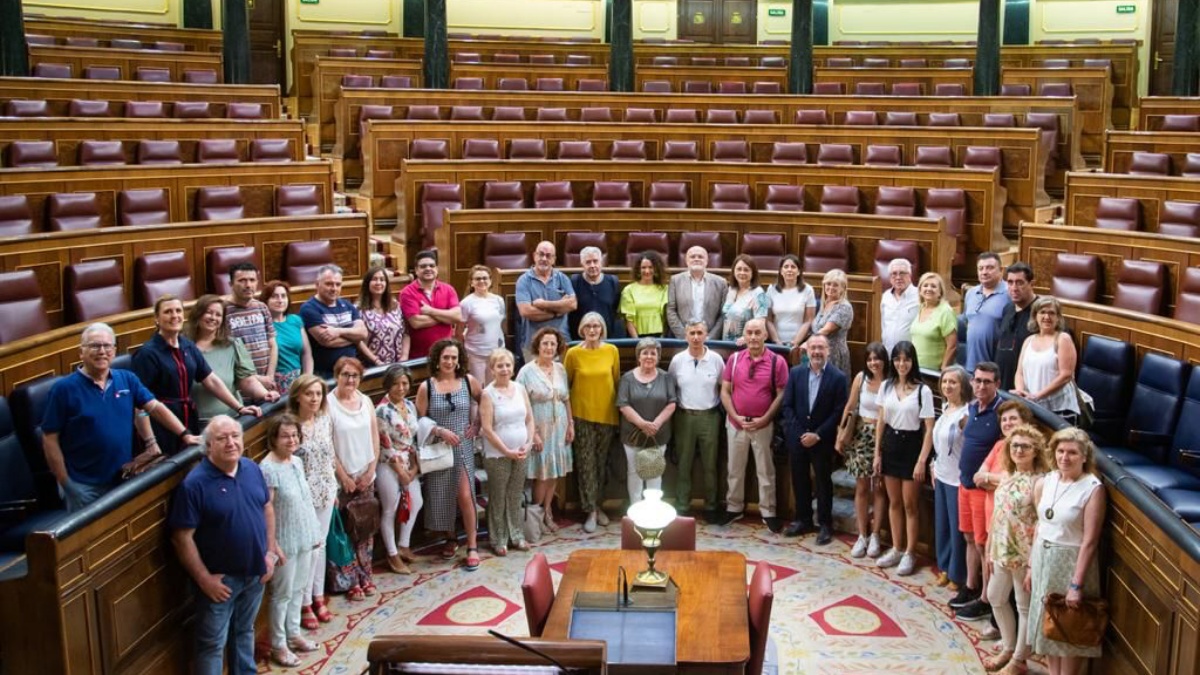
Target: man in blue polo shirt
(545, 297)
(89, 421)
(333, 323)
(223, 528)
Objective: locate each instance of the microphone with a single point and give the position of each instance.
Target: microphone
(622, 588)
(535, 651)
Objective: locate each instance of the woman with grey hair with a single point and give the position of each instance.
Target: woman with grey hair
(646, 398)
(593, 369)
(1046, 368)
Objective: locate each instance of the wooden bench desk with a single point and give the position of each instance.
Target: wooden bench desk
(928, 78)
(1092, 88)
(1119, 147)
(1084, 191)
(58, 93)
(128, 60)
(195, 39)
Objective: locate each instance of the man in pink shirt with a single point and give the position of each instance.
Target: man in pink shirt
(429, 306)
(752, 386)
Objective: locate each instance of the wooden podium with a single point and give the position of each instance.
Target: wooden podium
(441, 653)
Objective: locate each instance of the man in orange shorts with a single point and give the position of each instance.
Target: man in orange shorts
(981, 432)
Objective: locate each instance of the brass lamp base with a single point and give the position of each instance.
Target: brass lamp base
(652, 579)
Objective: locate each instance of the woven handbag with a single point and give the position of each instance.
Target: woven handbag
(1082, 626)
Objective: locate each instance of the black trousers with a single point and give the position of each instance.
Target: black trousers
(809, 464)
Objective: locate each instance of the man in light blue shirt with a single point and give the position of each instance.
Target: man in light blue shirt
(545, 297)
(983, 307)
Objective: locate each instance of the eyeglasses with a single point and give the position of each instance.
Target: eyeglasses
(450, 402)
(100, 347)
(347, 375)
(1022, 446)
(982, 381)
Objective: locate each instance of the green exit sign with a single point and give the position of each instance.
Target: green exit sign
(776, 12)
(310, 2)
(1121, 9)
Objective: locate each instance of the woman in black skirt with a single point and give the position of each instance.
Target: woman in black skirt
(903, 440)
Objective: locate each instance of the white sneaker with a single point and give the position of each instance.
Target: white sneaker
(860, 547)
(873, 547)
(907, 565)
(601, 517)
(589, 525)
(889, 559)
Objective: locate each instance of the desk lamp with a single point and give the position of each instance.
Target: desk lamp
(650, 517)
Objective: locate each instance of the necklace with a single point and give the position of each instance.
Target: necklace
(1049, 512)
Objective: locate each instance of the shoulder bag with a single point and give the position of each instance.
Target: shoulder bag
(433, 454)
(1082, 626)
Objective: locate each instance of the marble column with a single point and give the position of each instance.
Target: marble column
(437, 48)
(1186, 51)
(987, 51)
(197, 14)
(620, 58)
(235, 26)
(14, 57)
(800, 72)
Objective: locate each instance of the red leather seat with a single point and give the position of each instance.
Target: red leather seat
(56, 70)
(68, 211)
(537, 589)
(94, 289)
(513, 84)
(297, 200)
(1141, 285)
(1055, 89)
(730, 196)
(628, 151)
(503, 195)
(468, 83)
(123, 43)
(664, 61)
(866, 118)
(436, 199)
(508, 113)
(944, 119)
(554, 194)
(158, 152)
(760, 117)
(101, 153)
(784, 198)
(1048, 123)
(612, 195)
(956, 63)
(641, 115)
(766, 249)
(302, 259)
(773, 62)
(982, 157)
(766, 88)
(739, 61)
(950, 204)
(839, 199)
(731, 87)
(372, 112)
(835, 154)
(217, 151)
(577, 241)
(869, 89)
(380, 54)
(887, 250)
(1150, 164)
(1119, 213)
(591, 84)
(895, 118)
(730, 151)
(1015, 89)
(220, 203)
(826, 252)
(839, 62)
(506, 251)
(144, 74)
(668, 195)
(578, 60)
(26, 108)
(1187, 304)
(656, 87)
(16, 217)
(145, 109)
(527, 148)
(949, 89)
(595, 115)
(143, 207)
(709, 241)
(697, 87)
(543, 59)
(168, 46)
(467, 57)
(423, 112)
(896, 201)
(680, 151)
(40, 40)
(429, 148)
(1097, 63)
(271, 150)
(395, 82)
(908, 89)
(200, 76)
(219, 260)
(999, 120)
(102, 73)
(682, 116)
(876, 62)
(192, 110)
(761, 596)
(883, 155)
(1181, 219)
(506, 58)
(22, 311)
(26, 154)
(1076, 277)
(481, 148)
(936, 156)
(638, 243)
(157, 273)
(467, 112)
(575, 150)
(1191, 165)
(785, 152)
(1180, 123)
(79, 107)
(720, 116)
(680, 535)
(549, 84)
(812, 117)
(914, 63)
(236, 110)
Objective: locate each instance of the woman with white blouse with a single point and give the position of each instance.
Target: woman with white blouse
(1046, 367)
(356, 453)
(955, 385)
(482, 329)
(506, 421)
(859, 452)
(792, 304)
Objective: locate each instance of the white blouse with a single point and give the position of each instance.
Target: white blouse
(353, 442)
(906, 414)
(788, 307)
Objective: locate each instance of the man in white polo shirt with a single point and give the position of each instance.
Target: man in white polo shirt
(697, 419)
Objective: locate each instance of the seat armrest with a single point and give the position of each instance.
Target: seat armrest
(17, 510)
(1189, 458)
(1144, 438)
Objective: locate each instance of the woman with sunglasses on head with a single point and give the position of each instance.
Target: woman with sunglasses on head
(356, 454)
(387, 340)
(449, 397)
(396, 481)
(482, 327)
(554, 428)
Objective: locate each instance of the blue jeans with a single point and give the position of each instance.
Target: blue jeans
(217, 622)
(77, 495)
(951, 548)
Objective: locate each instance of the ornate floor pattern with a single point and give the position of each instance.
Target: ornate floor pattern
(833, 615)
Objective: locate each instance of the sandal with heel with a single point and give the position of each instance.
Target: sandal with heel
(471, 562)
(308, 620)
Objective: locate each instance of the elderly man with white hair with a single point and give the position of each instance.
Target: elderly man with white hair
(596, 292)
(89, 421)
(899, 306)
(696, 295)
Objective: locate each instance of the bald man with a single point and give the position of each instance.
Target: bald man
(545, 297)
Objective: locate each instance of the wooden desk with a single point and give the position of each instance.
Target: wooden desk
(714, 629)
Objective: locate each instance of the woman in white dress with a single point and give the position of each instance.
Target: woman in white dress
(793, 304)
(506, 420)
(482, 329)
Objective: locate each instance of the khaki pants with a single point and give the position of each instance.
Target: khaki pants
(741, 444)
(696, 432)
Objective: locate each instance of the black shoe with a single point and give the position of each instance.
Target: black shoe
(712, 516)
(726, 517)
(976, 611)
(797, 528)
(965, 597)
(774, 524)
(825, 535)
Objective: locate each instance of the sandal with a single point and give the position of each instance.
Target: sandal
(1015, 667)
(449, 549)
(301, 644)
(355, 594)
(282, 656)
(368, 589)
(521, 546)
(548, 521)
(472, 560)
(308, 620)
(322, 611)
(997, 661)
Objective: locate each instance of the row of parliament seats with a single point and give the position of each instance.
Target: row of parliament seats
(821, 253)
(522, 84)
(25, 154)
(112, 43)
(86, 210)
(183, 110)
(1140, 423)
(538, 59)
(96, 289)
(1139, 285)
(110, 72)
(1175, 218)
(1161, 164)
(881, 89)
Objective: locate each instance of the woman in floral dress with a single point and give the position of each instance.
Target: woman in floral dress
(554, 428)
(387, 341)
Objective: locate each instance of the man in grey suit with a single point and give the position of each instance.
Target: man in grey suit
(695, 295)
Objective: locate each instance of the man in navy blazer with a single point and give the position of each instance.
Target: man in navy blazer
(812, 408)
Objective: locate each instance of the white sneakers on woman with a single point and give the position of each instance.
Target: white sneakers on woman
(873, 547)
(860, 547)
(907, 565)
(889, 559)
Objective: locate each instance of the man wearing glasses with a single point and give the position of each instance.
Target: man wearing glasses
(545, 297)
(899, 305)
(89, 422)
(697, 419)
(430, 307)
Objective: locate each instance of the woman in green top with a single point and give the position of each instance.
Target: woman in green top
(935, 330)
(643, 302)
(228, 359)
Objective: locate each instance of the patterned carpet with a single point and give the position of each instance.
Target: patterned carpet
(832, 614)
